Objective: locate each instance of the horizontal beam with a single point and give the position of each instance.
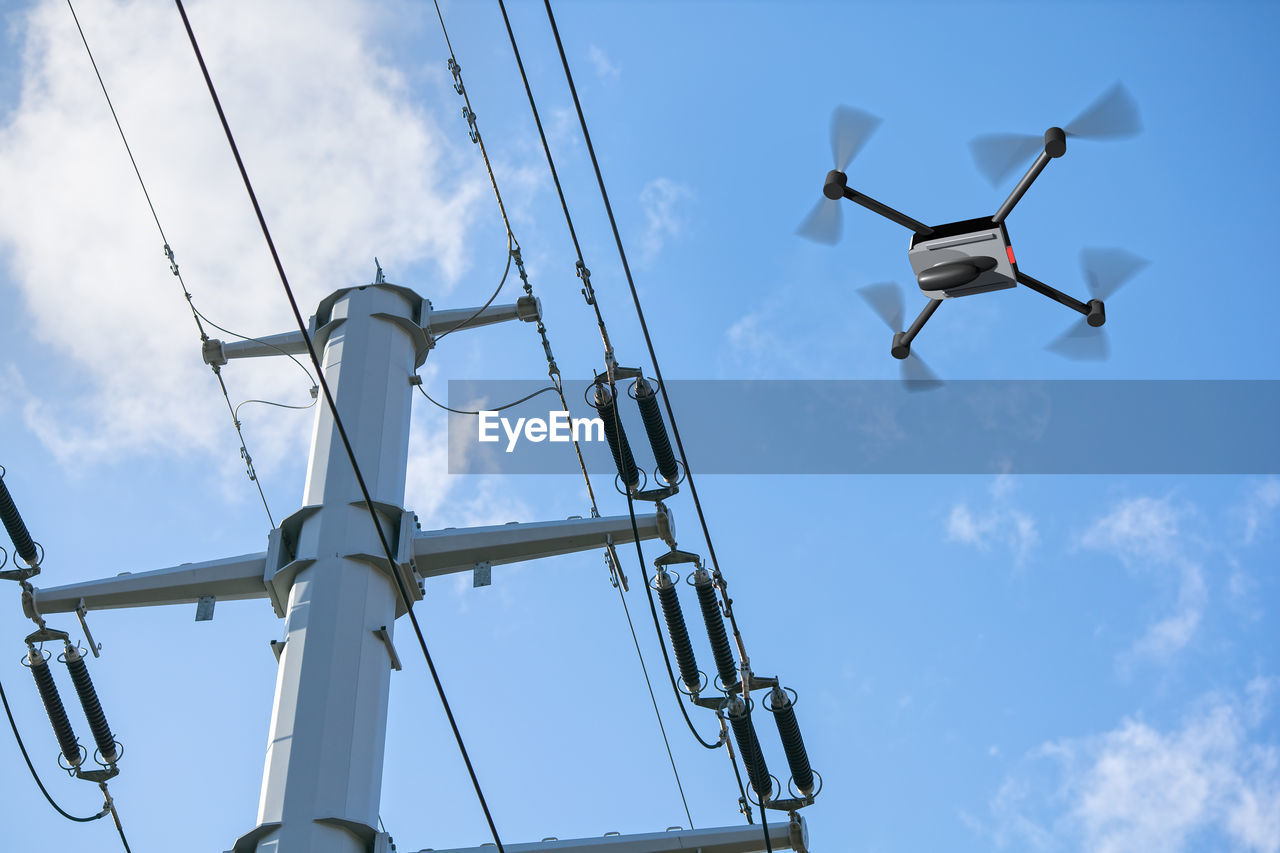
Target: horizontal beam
(441, 552)
(435, 552)
(527, 309)
(228, 579)
(723, 839)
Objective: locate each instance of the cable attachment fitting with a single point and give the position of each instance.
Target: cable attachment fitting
(470, 116)
(456, 70)
(248, 462)
(173, 263)
(588, 292)
(524, 276)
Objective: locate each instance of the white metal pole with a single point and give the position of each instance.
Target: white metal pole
(323, 776)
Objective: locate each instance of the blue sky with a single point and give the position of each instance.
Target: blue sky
(1022, 663)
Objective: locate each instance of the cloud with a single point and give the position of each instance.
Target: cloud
(1259, 507)
(1138, 788)
(604, 66)
(1141, 528)
(661, 201)
(344, 163)
(1006, 526)
(1146, 534)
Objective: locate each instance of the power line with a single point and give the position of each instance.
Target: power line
(342, 432)
(653, 356)
(13, 724)
(173, 266)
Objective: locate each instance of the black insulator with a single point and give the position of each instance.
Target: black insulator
(678, 632)
(744, 732)
(784, 714)
(16, 526)
(92, 708)
(715, 628)
(53, 707)
(607, 407)
(656, 429)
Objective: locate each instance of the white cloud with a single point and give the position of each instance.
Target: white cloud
(1138, 788)
(604, 66)
(999, 525)
(1141, 528)
(1259, 507)
(662, 200)
(344, 163)
(1146, 533)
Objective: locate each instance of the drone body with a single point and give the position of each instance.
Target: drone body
(974, 255)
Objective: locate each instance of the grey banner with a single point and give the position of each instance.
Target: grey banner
(881, 427)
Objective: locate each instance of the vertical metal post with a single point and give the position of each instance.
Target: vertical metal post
(323, 776)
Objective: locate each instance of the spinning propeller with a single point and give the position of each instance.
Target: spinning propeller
(886, 300)
(1105, 271)
(850, 130)
(1114, 115)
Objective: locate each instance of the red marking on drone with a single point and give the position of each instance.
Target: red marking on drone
(1009, 249)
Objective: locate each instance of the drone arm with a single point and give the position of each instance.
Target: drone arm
(886, 211)
(1053, 293)
(902, 340)
(1055, 145)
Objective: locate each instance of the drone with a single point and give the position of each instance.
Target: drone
(975, 256)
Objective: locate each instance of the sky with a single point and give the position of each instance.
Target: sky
(1030, 663)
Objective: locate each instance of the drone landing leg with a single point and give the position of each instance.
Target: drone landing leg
(902, 340)
(886, 211)
(1094, 311)
(1055, 145)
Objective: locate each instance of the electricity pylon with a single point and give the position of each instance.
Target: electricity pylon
(326, 575)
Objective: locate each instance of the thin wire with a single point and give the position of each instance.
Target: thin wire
(13, 724)
(653, 357)
(173, 266)
(115, 816)
(342, 432)
(585, 274)
(273, 403)
(524, 399)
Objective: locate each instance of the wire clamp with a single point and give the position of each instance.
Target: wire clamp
(588, 292)
(248, 463)
(470, 116)
(173, 264)
(456, 70)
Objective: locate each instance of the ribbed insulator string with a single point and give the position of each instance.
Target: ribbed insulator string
(607, 406)
(656, 429)
(714, 620)
(53, 707)
(679, 634)
(744, 732)
(784, 714)
(92, 707)
(16, 527)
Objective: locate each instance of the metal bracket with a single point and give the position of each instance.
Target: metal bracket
(204, 608)
(277, 648)
(46, 635)
(81, 610)
(482, 574)
(385, 637)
